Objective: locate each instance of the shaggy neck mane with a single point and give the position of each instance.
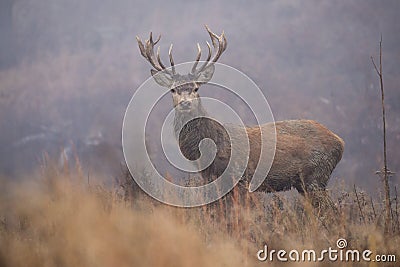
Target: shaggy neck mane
(196, 130)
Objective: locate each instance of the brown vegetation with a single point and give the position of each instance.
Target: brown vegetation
(61, 220)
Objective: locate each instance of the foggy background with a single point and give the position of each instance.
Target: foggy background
(69, 68)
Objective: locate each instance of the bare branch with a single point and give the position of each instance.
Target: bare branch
(386, 172)
(376, 68)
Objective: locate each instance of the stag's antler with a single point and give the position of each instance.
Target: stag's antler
(147, 52)
(219, 43)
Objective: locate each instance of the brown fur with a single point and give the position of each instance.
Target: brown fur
(305, 156)
(306, 152)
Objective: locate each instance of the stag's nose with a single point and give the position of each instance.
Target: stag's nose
(185, 104)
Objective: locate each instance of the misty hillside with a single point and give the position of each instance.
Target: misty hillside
(69, 68)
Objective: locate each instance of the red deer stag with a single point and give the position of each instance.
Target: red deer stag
(306, 151)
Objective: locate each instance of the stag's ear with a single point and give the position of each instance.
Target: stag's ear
(162, 78)
(206, 74)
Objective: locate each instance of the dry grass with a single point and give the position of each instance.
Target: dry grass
(61, 220)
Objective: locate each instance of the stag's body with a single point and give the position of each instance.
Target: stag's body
(306, 152)
(305, 156)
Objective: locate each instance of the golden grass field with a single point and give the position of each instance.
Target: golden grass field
(60, 219)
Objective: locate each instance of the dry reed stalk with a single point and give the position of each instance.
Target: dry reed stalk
(385, 171)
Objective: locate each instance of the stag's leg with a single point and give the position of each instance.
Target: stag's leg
(313, 187)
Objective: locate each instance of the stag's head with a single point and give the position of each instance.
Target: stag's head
(183, 87)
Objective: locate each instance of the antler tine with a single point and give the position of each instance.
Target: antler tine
(141, 47)
(208, 58)
(209, 51)
(197, 58)
(171, 60)
(219, 43)
(221, 47)
(150, 53)
(158, 39)
(158, 58)
(147, 51)
(213, 36)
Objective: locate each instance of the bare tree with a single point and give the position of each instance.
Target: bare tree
(385, 172)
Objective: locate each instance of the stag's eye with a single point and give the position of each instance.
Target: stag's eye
(196, 89)
(173, 90)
